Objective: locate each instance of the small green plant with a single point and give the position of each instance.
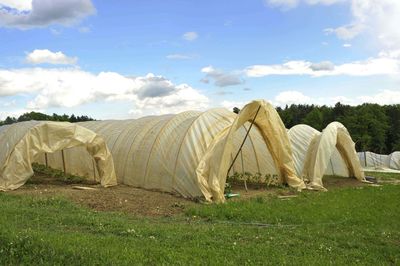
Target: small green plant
(272, 180)
(257, 179)
(59, 175)
(228, 188)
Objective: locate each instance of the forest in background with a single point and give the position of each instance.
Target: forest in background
(373, 127)
(43, 117)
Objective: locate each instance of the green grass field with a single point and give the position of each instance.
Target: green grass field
(358, 225)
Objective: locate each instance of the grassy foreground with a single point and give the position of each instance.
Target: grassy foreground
(343, 226)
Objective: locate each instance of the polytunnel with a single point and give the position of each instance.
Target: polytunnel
(26, 142)
(189, 153)
(376, 161)
(373, 160)
(394, 160)
(330, 152)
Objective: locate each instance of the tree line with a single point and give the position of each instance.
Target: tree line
(373, 127)
(43, 117)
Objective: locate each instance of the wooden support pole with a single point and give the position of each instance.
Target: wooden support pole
(63, 161)
(243, 172)
(365, 158)
(45, 160)
(94, 170)
(244, 140)
(333, 171)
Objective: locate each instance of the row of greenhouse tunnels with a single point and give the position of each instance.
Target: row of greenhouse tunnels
(190, 154)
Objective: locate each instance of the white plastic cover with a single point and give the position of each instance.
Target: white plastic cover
(23, 143)
(164, 152)
(370, 160)
(331, 152)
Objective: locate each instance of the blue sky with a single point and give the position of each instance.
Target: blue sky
(139, 58)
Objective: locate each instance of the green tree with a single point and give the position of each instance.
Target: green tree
(314, 119)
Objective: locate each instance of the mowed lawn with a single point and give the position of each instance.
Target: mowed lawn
(357, 225)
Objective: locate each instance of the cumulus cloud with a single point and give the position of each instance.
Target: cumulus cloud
(179, 57)
(385, 64)
(322, 66)
(383, 97)
(190, 36)
(7, 103)
(291, 97)
(230, 104)
(346, 32)
(41, 13)
(20, 5)
(46, 56)
(69, 87)
(288, 4)
(84, 29)
(379, 18)
(297, 97)
(14, 113)
(346, 45)
(221, 79)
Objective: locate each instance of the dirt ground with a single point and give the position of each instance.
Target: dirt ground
(120, 198)
(143, 202)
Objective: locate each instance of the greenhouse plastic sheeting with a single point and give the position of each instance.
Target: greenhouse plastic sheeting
(331, 152)
(172, 152)
(372, 160)
(27, 142)
(394, 161)
(212, 169)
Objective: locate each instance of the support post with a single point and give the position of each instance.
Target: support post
(94, 170)
(365, 159)
(63, 161)
(243, 172)
(333, 171)
(46, 160)
(244, 140)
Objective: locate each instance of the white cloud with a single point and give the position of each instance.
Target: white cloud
(296, 97)
(190, 36)
(221, 79)
(322, 66)
(84, 29)
(291, 97)
(346, 45)
(395, 54)
(69, 87)
(383, 97)
(55, 32)
(285, 4)
(324, 2)
(7, 103)
(384, 64)
(179, 57)
(346, 32)
(45, 56)
(182, 98)
(230, 104)
(15, 113)
(288, 4)
(20, 5)
(42, 13)
(380, 19)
